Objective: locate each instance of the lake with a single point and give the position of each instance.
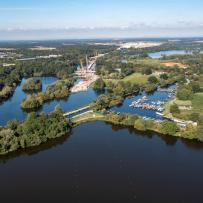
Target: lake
(157, 55)
(100, 162)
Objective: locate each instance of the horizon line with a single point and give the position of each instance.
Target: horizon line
(104, 38)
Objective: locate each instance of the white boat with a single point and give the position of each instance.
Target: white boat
(160, 114)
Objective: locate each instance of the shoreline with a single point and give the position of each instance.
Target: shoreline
(83, 121)
(96, 117)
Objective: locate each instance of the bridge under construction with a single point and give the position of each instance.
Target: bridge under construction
(87, 74)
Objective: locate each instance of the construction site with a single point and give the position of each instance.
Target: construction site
(86, 73)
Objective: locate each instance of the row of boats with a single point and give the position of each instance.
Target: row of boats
(171, 91)
(144, 103)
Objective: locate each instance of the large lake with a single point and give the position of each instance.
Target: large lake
(99, 162)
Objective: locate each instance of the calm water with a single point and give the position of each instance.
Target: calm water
(124, 108)
(11, 109)
(168, 53)
(104, 163)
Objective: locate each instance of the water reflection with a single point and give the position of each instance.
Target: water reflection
(10, 109)
(167, 139)
(35, 150)
(100, 162)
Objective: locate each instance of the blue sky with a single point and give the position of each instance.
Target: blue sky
(100, 18)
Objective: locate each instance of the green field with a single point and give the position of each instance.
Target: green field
(183, 103)
(87, 117)
(135, 78)
(197, 102)
(146, 61)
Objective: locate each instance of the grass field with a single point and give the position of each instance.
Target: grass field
(183, 103)
(135, 78)
(157, 62)
(146, 61)
(201, 81)
(87, 117)
(167, 107)
(197, 102)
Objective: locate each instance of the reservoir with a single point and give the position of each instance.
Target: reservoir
(100, 162)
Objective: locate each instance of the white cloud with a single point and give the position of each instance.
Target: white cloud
(180, 29)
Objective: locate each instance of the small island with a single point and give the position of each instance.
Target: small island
(58, 90)
(32, 85)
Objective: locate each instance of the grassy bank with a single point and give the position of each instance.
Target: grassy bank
(165, 127)
(90, 116)
(135, 78)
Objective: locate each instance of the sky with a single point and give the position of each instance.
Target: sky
(73, 19)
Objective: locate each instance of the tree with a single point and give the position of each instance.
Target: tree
(152, 79)
(174, 109)
(195, 87)
(119, 89)
(102, 102)
(150, 88)
(110, 86)
(190, 131)
(99, 84)
(58, 110)
(169, 128)
(32, 85)
(184, 93)
(147, 71)
(140, 124)
(194, 116)
(164, 76)
(8, 141)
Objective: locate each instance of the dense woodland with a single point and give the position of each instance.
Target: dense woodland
(59, 90)
(32, 85)
(35, 130)
(61, 67)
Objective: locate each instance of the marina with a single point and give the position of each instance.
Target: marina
(144, 103)
(148, 105)
(157, 105)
